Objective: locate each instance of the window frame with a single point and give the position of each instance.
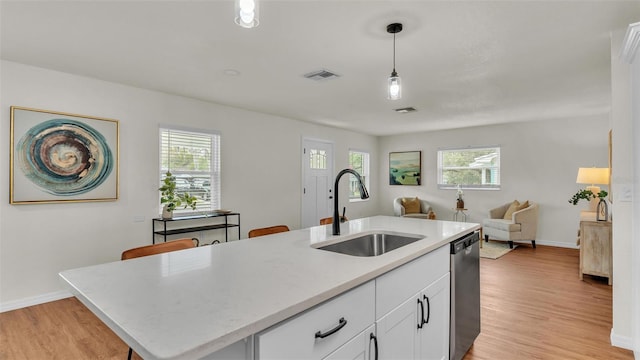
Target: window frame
(440, 169)
(366, 177)
(214, 174)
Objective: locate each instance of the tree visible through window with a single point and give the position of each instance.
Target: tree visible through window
(193, 158)
(358, 161)
(470, 168)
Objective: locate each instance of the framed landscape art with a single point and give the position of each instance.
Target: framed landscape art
(405, 168)
(60, 157)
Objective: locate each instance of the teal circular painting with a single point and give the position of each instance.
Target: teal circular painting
(65, 157)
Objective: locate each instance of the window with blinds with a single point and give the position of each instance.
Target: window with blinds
(471, 168)
(193, 158)
(358, 161)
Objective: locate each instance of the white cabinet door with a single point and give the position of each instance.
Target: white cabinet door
(433, 337)
(397, 331)
(361, 347)
(419, 327)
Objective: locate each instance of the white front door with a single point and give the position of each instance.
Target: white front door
(317, 189)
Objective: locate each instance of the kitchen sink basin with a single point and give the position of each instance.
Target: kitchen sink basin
(372, 244)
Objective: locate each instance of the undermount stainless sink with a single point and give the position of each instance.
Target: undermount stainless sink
(372, 244)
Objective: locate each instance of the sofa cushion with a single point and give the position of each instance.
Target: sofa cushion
(511, 209)
(522, 206)
(411, 205)
(501, 224)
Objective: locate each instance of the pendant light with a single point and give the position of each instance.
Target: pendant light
(394, 86)
(247, 13)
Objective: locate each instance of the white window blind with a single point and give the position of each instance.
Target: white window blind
(471, 168)
(193, 158)
(358, 161)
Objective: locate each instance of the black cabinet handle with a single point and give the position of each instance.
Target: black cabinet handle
(425, 297)
(341, 323)
(375, 345)
(421, 321)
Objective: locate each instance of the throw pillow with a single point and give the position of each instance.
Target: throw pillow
(511, 210)
(524, 205)
(411, 206)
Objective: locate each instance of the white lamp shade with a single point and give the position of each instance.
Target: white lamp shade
(593, 176)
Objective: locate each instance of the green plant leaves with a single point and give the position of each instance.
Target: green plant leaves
(586, 195)
(171, 198)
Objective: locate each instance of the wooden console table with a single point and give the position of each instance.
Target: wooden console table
(194, 223)
(595, 249)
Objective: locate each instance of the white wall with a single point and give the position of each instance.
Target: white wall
(260, 166)
(539, 162)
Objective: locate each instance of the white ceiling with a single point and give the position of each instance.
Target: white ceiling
(462, 63)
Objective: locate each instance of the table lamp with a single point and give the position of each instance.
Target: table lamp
(593, 176)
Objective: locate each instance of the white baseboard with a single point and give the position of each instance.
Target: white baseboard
(34, 300)
(624, 342)
(557, 244)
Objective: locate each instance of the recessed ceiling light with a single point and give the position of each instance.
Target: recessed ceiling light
(405, 110)
(231, 72)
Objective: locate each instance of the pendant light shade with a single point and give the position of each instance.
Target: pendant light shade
(247, 13)
(394, 86)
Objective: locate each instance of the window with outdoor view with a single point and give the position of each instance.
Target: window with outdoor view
(471, 168)
(193, 158)
(358, 161)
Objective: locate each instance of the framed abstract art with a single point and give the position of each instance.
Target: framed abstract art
(405, 168)
(61, 157)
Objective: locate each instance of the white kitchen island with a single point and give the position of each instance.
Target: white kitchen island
(192, 303)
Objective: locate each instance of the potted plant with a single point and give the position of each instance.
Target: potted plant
(460, 201)
(602, 209)
(587, 195)
(171, 199)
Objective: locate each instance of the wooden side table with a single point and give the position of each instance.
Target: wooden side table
(460, 213)
(595, 249)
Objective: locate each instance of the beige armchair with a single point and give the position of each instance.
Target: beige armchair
(522, 225)
(400, 210)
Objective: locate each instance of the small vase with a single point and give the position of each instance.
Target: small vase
(166, 213)
(460, 204)
(602, 211)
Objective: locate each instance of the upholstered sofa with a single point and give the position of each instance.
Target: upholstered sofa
(512, 222)
(399, 207)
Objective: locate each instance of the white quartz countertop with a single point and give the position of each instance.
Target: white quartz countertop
(190, 303)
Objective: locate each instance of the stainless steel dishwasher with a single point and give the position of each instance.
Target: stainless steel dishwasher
(465, 295)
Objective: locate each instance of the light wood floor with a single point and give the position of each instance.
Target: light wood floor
(533, 307)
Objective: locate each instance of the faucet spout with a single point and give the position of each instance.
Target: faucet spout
(364, 194)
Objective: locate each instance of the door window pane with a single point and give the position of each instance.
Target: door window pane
(318, 159)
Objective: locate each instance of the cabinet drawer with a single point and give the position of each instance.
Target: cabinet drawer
(296, 338)
(396, 286)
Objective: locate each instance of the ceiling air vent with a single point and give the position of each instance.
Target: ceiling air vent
(405, 110)
(321, 75)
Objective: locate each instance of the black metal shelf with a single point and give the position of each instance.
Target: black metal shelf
(164, 232)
